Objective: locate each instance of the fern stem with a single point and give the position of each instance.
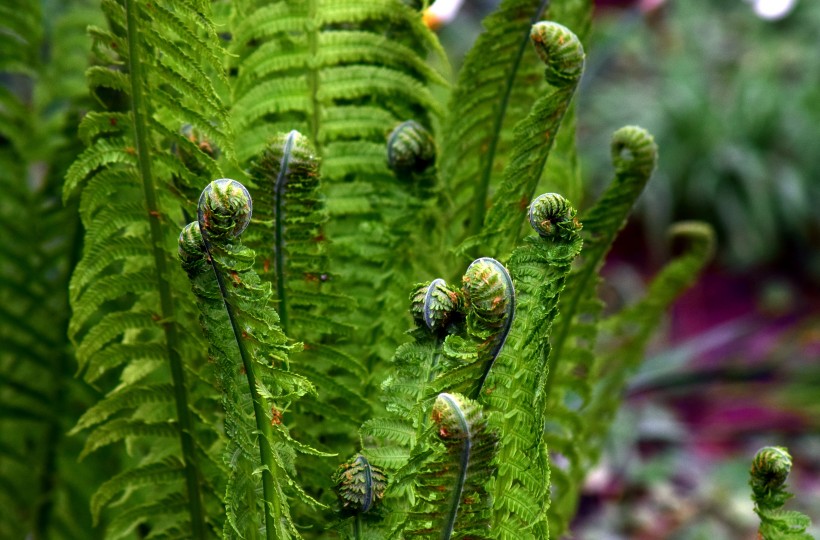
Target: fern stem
(260, 412)
(279, 231)
(313, 75)
(357, 527)
(169, 327)
(480, 196)
(452, 513)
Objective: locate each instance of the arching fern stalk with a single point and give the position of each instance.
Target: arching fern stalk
(242, 329)
(128, 314)
(770, 469)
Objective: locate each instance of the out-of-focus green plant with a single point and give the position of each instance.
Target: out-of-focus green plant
(734, 102)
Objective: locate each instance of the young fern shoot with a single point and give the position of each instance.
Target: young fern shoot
(245, 338)
(770, 469)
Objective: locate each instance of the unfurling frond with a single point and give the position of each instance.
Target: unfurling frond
(242, 329)
(453, 501)
(767, 477)
(515, 390)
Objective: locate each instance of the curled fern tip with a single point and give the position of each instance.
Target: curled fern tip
(359, 485)
(633, 148)
(225, 208)
(551, 215)
(770, 469)
(410, 148)
(560, 50)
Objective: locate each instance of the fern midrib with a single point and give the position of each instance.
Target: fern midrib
(169, 327)
(279, 231)
(313, 74)
(581, 284)
(264, 433)
(480, 196)
(447, 531)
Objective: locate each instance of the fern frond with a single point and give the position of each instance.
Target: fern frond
(242, 328)
(515, 392)
(534, 136)
(157, 67)
(453, 502)
(767, 478)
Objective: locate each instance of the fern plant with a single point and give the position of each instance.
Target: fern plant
(236, 393)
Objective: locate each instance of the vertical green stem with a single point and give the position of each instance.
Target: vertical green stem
(279, 231)
(480, 196)
(264, 431)
(357, 527)
(169, 327)
(313, 74)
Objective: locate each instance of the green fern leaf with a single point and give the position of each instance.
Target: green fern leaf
(515, 391)
(534, 136)
(123, 290)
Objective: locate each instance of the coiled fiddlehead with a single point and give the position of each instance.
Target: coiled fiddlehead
(435, 304)
(560, 50)
(410, 149)
(359, 485)
(767, 477)
(551, 216)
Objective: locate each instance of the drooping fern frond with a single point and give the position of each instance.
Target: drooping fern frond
(568, 386)
(247, 343)
(515, 391)
(770, 469)
(157, 63)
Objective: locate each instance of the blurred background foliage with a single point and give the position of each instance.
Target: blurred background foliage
(731, 91)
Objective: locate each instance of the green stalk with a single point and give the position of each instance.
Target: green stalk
(480, 197)
(264, 432)
(313, 75)
(452, 513)
(279, 231)
(169, 327)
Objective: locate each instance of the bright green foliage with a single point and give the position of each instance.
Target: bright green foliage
(452, 440)
(243, 331)
(563, 55)
(125, 292)
(539, 268)
(767, 477)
